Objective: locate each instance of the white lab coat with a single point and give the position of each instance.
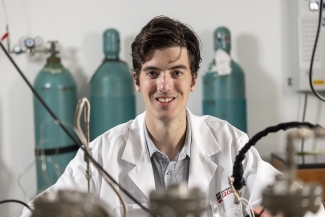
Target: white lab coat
(123, 153)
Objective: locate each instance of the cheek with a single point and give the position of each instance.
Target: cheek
(185, 88)
(149, 87)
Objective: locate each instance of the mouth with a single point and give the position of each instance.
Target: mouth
(165, 100)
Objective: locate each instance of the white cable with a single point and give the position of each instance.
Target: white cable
(112, 186)
(58, 170)
(239, 199)
(7, 25)
(20, 176)
(5, 10)
(125, 209)
(26, 170)
(247, 204)
(241, 214)
(43, 157)
(83, 140)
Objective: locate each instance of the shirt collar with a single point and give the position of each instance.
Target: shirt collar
(186, 150)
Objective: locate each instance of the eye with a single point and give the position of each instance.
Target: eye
(177, 73)
(152, 73)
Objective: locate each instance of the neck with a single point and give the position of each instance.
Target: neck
(168, 137)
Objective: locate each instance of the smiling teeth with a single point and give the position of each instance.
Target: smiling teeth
(165, 99)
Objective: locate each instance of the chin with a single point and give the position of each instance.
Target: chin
(160, 115)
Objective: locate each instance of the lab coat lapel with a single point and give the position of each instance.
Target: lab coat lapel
(203, 147)
(136, 153)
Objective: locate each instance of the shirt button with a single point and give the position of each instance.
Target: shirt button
(169, 172)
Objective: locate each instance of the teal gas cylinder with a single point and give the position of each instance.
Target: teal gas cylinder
(112, 99)
(54, 149)
(224, 93)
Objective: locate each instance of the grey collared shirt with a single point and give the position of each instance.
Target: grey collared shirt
(168, 172)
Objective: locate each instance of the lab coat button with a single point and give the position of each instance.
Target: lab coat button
(169, 172)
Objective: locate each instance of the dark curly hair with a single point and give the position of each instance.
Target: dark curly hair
(163, 32)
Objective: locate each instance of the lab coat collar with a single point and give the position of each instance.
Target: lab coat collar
(202, 136)
(203, 146)
(136, 153)
(136, 141)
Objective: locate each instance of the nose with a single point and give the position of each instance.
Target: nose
(165, 82)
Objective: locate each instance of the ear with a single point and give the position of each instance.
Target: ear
(194, 82)
(136, 82)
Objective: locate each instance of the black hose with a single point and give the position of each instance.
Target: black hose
(17, 201)
(313, 54)
(238, 170)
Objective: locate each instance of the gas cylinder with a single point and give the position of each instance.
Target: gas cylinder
(112, 97)
(224, 84)
(54, 149)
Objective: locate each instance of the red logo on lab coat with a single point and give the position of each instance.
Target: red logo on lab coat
(222, 194)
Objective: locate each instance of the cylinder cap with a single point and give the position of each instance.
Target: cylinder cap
(111, 43)
(222, 39)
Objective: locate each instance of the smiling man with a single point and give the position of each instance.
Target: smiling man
(167, 144)
(165, 82)
(182, 147)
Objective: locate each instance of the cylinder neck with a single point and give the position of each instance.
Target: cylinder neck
(53, 58)
(111, 44)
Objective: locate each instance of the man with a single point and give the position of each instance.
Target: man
(167, 144)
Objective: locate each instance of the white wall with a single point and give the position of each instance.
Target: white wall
(260, 44)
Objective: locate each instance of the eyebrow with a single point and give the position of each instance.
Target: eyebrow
(147, 68)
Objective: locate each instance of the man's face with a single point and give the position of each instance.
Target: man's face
(165, 83)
